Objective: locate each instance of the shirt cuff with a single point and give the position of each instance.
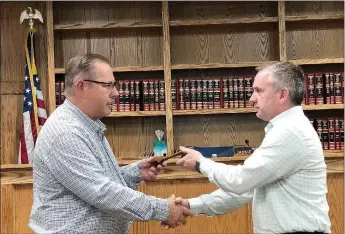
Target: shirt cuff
(206, 165)
(161, 212)
(196, 206)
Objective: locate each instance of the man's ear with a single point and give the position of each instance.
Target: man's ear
(284, 94)
(79, 85)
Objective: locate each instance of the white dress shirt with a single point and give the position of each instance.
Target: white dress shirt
(285, 178)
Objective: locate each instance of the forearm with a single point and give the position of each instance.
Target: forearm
(217, 203)
(130, 204)
(131, 174)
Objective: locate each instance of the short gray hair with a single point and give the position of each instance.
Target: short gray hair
(287, 75)
(81, 67)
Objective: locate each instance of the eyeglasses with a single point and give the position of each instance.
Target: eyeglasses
(108, 85)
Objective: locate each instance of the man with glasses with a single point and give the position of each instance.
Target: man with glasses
(78, 185)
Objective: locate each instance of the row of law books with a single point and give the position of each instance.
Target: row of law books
(324, 88)
(59, 92)
(330, 131)
(195, 93)
(187, 94)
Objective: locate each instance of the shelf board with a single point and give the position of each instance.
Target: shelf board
(313, 17)
(215, 65)
(123, 69)
(59, 27)
(323, 107)
(214, 111)
(175, 23)
(136, 113)
(317, 61)
(219, 65)
(217, 111)
(329, 155)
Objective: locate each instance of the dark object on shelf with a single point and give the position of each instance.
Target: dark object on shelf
(239, 149)
(221, 151)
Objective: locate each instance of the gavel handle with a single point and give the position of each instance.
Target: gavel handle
(160, 161)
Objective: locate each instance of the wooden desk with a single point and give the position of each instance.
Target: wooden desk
(16, 197)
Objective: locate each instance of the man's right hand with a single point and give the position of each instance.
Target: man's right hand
(177, 212)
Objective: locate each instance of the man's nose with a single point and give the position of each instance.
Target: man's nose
(114, 93)
(252, 99)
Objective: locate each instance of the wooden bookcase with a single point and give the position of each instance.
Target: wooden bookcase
(169, 40)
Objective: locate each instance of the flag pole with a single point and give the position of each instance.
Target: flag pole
(32, 66)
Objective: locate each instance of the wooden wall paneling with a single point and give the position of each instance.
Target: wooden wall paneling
(217, 130)
(317, 8)
(141, 47)
(108, 12)
(152, 44)
(12, 88)
(23, 202)
(132, 136)
(282, 30)
(13, 64)
(221, 10)
(11, 117)
(16, 203)
(167, 78)
(219, 44)
(51, 101)
(335, 197)
(312, 40)
(123, 47)
(67, 45)
(12, 78)
(7, 209)
(128, 47)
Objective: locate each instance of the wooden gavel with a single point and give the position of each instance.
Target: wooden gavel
(161, 160)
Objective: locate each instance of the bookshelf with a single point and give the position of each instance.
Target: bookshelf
(171, 40)
(167, 41)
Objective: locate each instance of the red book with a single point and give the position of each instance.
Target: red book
(311, 89)
(325, 134)
(319, 96)
(338, 91)
(319, 130)
(331, 133)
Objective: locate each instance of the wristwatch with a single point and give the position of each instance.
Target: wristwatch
(197, 166)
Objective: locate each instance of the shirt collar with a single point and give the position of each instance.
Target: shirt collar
(282, 117)
(94, 125)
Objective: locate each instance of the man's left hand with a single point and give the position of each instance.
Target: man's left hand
(147, 170)
(189, 160)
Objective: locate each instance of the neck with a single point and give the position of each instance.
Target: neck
(282, 108)
(80, 103)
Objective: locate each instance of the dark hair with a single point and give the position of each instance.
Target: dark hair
(81, 67)
(287, 75)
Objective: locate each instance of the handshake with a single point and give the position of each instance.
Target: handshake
(179, 210)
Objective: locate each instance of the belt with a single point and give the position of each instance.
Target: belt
(304, 233)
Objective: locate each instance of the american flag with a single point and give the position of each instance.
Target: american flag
(34, 113)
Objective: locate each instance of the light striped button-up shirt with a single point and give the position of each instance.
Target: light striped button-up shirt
(79, 186)
(285, 178)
